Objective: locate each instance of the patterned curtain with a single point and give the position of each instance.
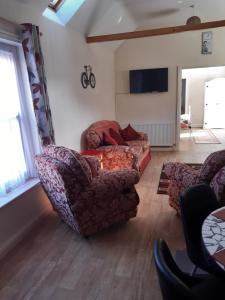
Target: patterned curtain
(37, 79)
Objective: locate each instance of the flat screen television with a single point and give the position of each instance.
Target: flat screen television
(148, 80)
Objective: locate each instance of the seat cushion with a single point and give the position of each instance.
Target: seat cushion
(139, 143)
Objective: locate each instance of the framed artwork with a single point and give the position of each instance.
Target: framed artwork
(207, 38)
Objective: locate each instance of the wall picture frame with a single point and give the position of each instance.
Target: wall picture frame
(207, 40)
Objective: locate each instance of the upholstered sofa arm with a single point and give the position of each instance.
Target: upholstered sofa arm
(108, 184)
(181, 173)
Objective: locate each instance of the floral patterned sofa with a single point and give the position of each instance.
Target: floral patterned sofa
(86, 198)
(136, 155)
(182, 176)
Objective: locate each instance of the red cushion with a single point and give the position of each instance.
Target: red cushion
(117, 137)
(130, 134)
(108, 140)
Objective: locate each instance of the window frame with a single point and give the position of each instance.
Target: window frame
(26, 120)
(56, 6)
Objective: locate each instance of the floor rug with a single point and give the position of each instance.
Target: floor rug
(164, 180)
(205, 136)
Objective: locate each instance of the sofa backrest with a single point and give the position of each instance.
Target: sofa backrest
(94, 134)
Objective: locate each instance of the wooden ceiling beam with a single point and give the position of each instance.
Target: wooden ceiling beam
(154, 32)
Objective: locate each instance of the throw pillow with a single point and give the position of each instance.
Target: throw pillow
(130, 134)
(117, 137)
(108, 140)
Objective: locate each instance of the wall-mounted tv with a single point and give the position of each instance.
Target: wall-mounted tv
(148, 80)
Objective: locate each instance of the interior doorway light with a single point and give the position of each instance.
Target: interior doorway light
(194, 19)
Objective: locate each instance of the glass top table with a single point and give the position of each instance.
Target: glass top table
(213, 236)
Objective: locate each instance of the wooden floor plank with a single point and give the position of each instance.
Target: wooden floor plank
(55, 263)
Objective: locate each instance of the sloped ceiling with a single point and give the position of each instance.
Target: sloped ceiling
(96, 17)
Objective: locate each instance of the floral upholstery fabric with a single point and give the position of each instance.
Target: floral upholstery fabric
(143, 144)
(109, 198)
(114, 159)
(38, 84)
(94, 134)
(218, 186)
(74, 160)
(183, 176)
(213, 163)
(118, 158)
(94, 164)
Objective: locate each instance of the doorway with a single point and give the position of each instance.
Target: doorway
(201, 100)
(214, 104)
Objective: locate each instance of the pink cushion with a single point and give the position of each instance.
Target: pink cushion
(108, 140)
(117, 137)
(129, 134)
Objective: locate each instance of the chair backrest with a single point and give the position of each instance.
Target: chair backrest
(94, 134)
(218, 186)
(64, 174)
(59, 184)
(170, 277)
(213, 163)
(196, 203)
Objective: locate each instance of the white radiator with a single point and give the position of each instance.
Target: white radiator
(162, 134)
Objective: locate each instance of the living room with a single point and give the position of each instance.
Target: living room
(103, 266)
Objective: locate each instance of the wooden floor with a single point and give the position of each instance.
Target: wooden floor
(56, 263)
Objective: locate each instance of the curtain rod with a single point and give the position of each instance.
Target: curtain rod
(14, 23)
(10, 22)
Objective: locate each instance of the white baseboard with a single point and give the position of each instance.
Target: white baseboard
(20, 234)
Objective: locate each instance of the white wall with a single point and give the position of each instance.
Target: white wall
(195, 90)
(183, 50)
(73, 108)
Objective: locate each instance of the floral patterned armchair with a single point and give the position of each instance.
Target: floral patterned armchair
(182, 176)
(86, 198)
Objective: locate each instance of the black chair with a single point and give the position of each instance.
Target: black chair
(175, 285)
(196, 203)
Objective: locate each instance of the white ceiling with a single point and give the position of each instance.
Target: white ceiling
(155, 13)
(159, 13)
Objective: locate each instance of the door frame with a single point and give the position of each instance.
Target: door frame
(178, 100)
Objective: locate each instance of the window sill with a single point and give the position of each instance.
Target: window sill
(18, 191)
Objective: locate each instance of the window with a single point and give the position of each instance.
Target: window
(55, 4)
(61, 11)
(18, 132)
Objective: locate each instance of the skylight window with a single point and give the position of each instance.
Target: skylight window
(61, 11)
(55, 4)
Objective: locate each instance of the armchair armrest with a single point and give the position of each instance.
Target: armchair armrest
(94, 164)
(108, 184)
(182, 173)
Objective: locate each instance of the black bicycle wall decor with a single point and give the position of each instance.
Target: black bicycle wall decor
(88, 78)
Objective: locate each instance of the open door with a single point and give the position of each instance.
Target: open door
(214, 108)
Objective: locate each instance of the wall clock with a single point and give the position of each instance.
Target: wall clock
(207, 42)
